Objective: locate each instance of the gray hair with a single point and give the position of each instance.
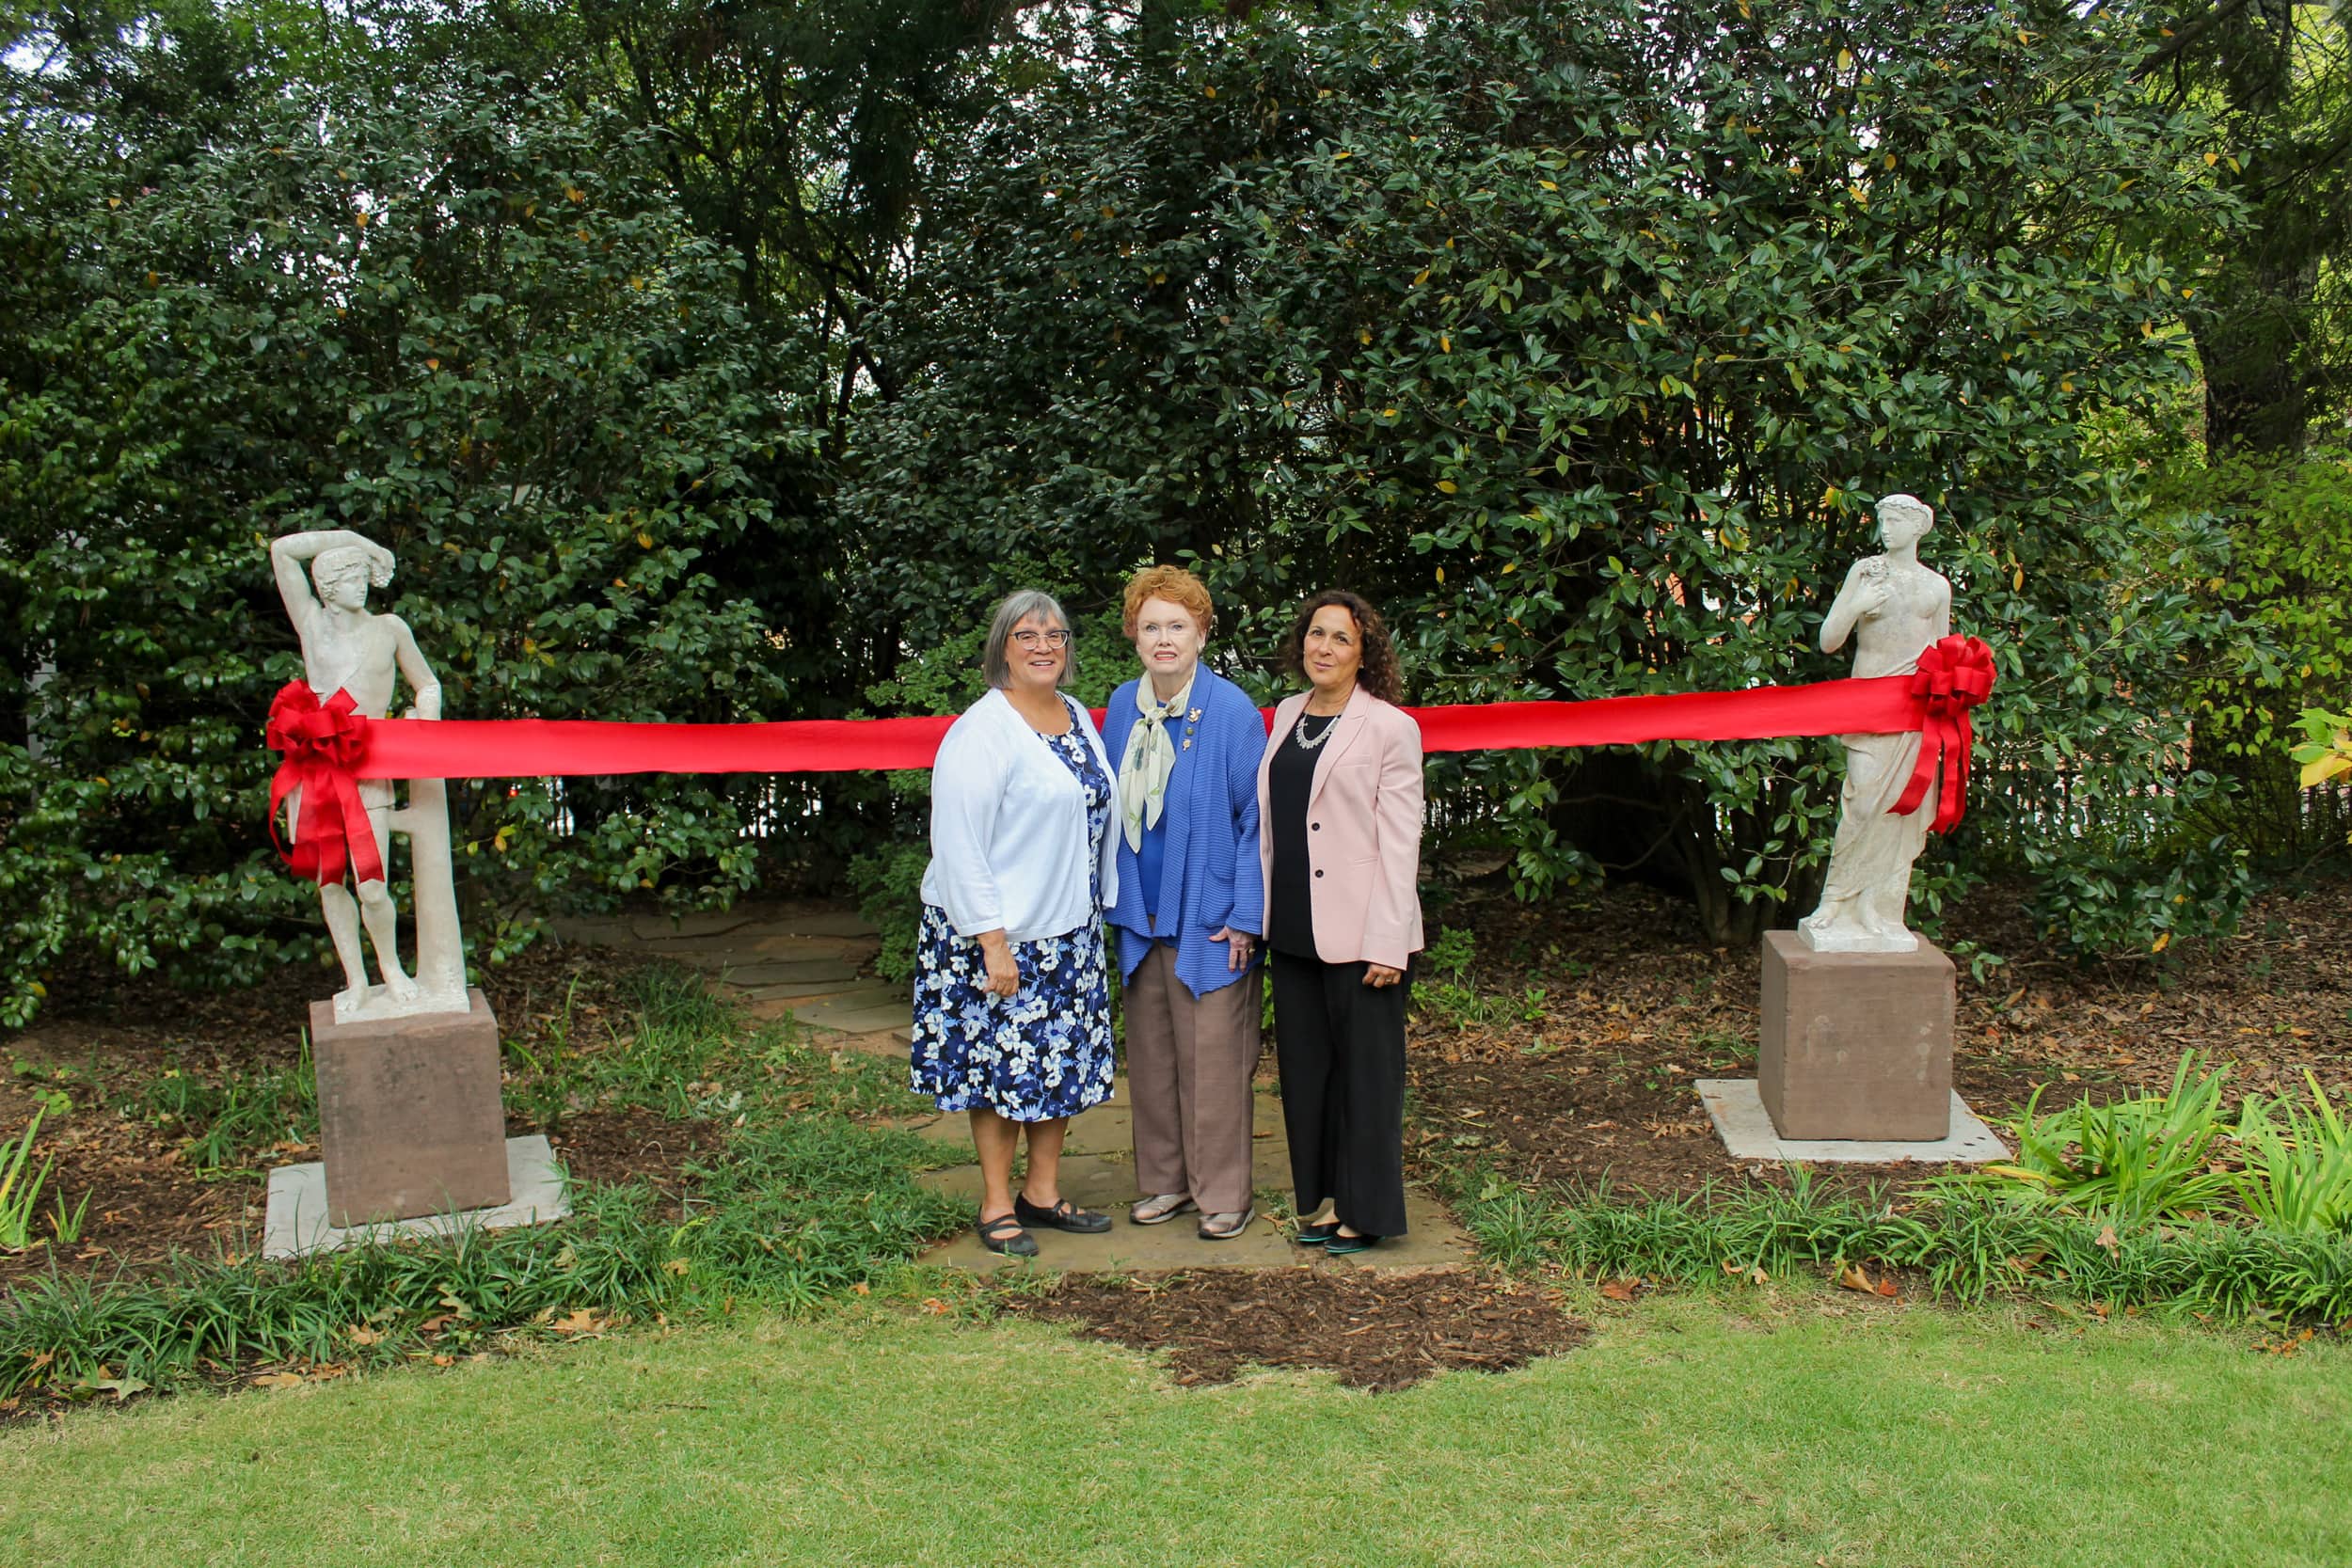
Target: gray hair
(1018, 606)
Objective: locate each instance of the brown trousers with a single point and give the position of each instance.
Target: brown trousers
(1189, 1062)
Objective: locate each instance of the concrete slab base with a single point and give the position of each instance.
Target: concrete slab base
(295, 1223)
(1746, 1129)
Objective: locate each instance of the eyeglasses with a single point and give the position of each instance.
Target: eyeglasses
(1058, 638)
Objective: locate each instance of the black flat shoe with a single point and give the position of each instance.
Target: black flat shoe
(1064, 1215)
(1316, 1235)
(1003, 1234)
(1339, 1246)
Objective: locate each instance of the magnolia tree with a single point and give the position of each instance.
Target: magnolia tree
(449, 312)
(1584, 337)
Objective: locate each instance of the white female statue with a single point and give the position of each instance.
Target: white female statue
(1895, 608)
(345, 647)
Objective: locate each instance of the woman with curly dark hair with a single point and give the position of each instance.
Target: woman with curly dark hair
(1339, 808)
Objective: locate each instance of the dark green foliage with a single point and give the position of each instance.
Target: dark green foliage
(2267, 312)
(460, 316)
(1583, 338)
(715, 366)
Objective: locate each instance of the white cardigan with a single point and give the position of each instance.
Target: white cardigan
(1009, 829)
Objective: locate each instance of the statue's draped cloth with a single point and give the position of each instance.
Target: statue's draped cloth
(1873, 844)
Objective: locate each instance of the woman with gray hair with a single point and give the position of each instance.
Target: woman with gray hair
(1012, 1018)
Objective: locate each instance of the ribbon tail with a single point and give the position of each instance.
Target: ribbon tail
(1924, 772)
(356, 840)
(1952, 803)
(283, 784)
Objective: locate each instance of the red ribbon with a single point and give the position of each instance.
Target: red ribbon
(337, 746)
(326, 745)
(1954, 675)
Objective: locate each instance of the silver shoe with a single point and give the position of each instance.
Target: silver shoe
(1161, 1208)
(1224, 1227)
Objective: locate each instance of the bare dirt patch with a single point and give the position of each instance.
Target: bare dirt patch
(1379, 1331)
(1600, 1014)
(106, 1041)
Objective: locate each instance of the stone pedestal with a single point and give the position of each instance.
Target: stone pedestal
(1856, 1045)
(410, 1116)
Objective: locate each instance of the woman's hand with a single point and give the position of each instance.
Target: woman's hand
(1004, 975)
(1380, 975)
(1238, 946)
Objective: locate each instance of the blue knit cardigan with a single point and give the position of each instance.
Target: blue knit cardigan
(1209, 875)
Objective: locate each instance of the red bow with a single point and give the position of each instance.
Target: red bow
(323, 743)
(1955, 673)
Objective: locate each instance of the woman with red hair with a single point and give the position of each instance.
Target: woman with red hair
(1189, 909)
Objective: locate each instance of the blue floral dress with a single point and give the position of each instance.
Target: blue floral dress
(1044, 1052)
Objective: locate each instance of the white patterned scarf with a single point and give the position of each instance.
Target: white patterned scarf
(1150, 758)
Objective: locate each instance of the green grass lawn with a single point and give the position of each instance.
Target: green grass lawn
(1707, 1430)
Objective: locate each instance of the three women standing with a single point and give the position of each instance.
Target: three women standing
(1209, 833)
(1189, 907)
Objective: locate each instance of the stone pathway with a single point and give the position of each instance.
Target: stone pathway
(1098, 1171)
(801, 959)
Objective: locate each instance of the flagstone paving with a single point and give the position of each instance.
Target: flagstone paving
(796, 958)
(803, 959)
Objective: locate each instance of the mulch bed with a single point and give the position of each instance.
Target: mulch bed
(1596, 1083)
(105, 1037)
(1376, 1330)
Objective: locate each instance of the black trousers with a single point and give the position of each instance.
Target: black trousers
(1341, 1046)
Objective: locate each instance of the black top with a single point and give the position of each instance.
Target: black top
(1290, 779)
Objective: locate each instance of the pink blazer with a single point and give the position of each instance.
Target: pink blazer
(1363, 832)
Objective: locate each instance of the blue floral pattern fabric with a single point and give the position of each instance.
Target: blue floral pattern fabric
(1044, 1052)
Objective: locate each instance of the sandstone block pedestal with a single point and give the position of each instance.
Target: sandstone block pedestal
(410, 1116)
(1856, 1045)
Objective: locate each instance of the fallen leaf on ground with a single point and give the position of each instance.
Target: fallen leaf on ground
(578, 1322)
(279, 1379)
(1617, 1290)
(1853, 1277)
(2106, 1239)
(362, 1335)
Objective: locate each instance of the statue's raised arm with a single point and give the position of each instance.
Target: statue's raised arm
(324, 578)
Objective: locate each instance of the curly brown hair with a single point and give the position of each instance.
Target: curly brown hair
(1379, 673)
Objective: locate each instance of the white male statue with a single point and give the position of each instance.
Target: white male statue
(1895, 608)
(347, 648)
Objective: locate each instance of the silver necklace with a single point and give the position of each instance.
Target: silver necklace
(1298, 732)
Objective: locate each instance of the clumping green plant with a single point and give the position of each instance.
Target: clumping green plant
(1969, 1244)
(64, 1225)
(2298, 1172)
(225, 1125)
(19, 1197)
(2137, 1160)
(791, 1215)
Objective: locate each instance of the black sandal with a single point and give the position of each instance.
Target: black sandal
(1064, 1215)
(1003, 1234)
